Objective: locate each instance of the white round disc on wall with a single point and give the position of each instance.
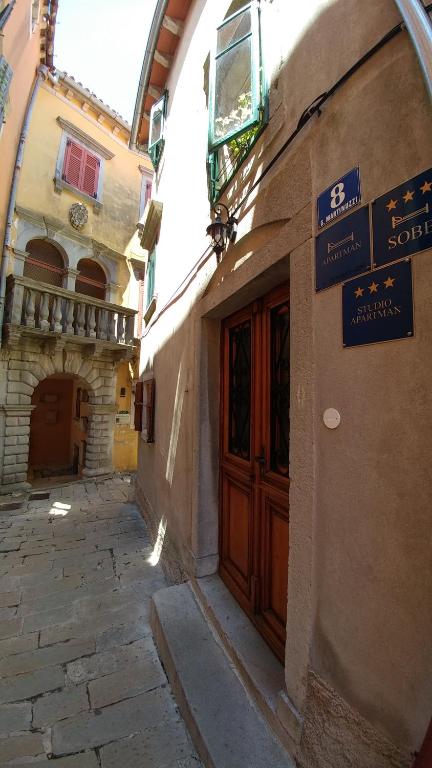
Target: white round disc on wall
(331, 418)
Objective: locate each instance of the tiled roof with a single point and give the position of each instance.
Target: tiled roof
(92, 97)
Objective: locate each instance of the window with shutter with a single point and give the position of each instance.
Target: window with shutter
(5, 81)
(157, 128)
(81, 168)
(237, 94)
(148, 411)
(139, 389)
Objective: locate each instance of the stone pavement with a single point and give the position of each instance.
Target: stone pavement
(81, 684)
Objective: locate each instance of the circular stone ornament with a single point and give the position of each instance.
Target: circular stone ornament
(78, 215)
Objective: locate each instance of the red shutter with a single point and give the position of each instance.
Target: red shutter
(150, 407)
(73, 160)
(90, 176)
(139, 389)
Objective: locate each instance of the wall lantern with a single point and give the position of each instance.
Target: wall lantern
(221, 231)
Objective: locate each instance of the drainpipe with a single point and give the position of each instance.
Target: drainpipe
(419, 28)
(13, 192)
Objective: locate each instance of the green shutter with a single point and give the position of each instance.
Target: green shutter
(235, 103)
(5, 80)
(151, 264)
(157, 128)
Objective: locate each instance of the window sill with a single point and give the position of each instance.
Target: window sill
(60, 185)
(150, 310)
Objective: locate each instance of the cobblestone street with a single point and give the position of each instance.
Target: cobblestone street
(81, 682)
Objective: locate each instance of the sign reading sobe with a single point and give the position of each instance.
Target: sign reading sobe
(339, 197)
(402, 220)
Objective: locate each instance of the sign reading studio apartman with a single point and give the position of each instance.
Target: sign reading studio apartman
(379, 306)
(402, 220)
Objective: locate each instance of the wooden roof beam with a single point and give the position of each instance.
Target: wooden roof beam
(163, 59)
(175, 26)
(154, 91)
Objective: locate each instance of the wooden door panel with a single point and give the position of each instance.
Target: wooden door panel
(237, 530)
(275, 540)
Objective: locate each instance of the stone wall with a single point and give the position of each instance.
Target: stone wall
(22, 368)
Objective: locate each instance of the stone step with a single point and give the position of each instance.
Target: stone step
(228, 730)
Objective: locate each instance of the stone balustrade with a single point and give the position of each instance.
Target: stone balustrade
(37, 307)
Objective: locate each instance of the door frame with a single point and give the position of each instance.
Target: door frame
(267, 488)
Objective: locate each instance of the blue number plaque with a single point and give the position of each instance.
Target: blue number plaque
(339, 198)
(402, 220)
(379, 306)
(343, 250)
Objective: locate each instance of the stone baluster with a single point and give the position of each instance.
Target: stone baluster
(44, 312)
(80, 320)
(120, 328)
(56, 315)
(130, 326)
(102, 324)
(17, 314)
(29, 313)
(111, 327)
(91, 321)
(69, 316)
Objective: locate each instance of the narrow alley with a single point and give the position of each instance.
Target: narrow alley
(81, 680)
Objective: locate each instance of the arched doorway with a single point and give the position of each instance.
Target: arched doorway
(44, 263)
(91, 280)
(58, 427)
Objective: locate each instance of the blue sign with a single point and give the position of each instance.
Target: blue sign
(339, 197)
(402, 220)
(378, 306)
(343, 250)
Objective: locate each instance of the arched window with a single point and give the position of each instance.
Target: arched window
(44, 263)
(91, 280)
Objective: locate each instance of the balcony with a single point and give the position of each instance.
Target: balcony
(44, 311)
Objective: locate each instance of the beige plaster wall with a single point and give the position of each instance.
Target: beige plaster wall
(358, 660)
(21, 48)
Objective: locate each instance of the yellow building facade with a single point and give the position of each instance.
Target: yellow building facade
(24, 27)
(70, 332)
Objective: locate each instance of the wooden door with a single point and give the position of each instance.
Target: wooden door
(255, 462)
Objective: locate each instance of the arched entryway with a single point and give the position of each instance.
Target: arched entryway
(58, 427)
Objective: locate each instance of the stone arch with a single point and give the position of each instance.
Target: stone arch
(45, 262)
(26, 369)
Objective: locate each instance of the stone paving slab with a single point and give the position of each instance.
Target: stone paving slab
(81, 683)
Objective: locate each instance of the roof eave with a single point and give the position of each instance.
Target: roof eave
(146, 69)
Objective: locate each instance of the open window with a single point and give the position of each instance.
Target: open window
(237, 94)
(157, 126)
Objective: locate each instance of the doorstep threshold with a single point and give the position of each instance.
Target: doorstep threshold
(227, 727)
(259, 668)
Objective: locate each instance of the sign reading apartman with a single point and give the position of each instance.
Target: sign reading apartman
(402, 220)
(379, 306)
(343, 250)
